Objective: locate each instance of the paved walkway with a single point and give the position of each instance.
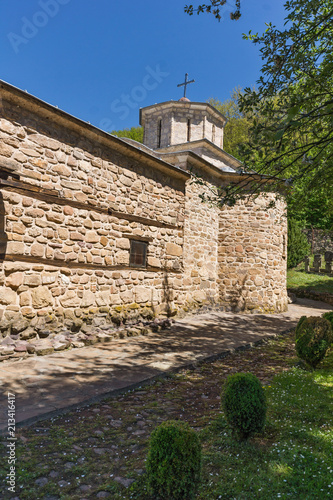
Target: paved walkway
(47, 385)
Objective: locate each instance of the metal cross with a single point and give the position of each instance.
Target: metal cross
(185, 83)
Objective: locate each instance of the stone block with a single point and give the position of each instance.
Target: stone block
(7, 296)
(103, 298)
(137, 186)
(37, 250)
(6, 150)
(88, 299)
(56, 217)
(45, 142)
(199, 295)
(41, 297)
(76, 236)
(92, 237)
(122, 257)
(70, 299)
(19, 326)
(115, 299)
(32, 280)
(62, 170)
(127, 296)
(123, 243)
(142, 294)
(28, 333)
(48, 278)
(173, 249)
(15, 248)
(126, 181)
(154, 262)
(14, 280)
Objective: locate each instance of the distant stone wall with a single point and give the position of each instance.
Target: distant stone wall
(320, 240)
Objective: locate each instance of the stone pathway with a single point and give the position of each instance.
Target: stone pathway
(46, 385)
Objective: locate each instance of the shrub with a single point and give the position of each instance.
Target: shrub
(300, 322)
(329, 317)
(244, 404)
(313, 339)
(174, 461)
(298, 246)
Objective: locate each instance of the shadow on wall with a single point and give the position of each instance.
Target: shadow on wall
(167, 295)
(3, 235)
(238, 295)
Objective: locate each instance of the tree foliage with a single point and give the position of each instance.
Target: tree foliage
(135, 133)
(298, 246)
(214, 7)
(295, 97)
(312, 207)
(236, 131)
(292, 107)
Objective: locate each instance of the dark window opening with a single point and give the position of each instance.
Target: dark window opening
(138, 253)
(213, 133)
(159, 133)
(188, 130)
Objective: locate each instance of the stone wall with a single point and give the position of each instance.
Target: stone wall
(200, 248)
(320, 240)
(252, 256)
(67, 225)
(175, 119)
(72, 200)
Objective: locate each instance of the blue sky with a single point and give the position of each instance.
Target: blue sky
(102, 60)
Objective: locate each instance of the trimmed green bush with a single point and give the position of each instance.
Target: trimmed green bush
(244, 404)
(329, 317)
(174, 462)
(300, 322)
(313, 339)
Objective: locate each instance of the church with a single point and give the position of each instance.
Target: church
(92, 224)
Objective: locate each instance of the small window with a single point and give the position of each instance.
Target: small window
(159, 133)
(188, 130)
(138, 253)
(213, 133)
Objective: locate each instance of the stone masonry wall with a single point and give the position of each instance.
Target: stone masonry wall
(151, 129)
(320, 240)
(64, 256)
(200, 248)
(66, 226)
(252, 256)
(175, 124)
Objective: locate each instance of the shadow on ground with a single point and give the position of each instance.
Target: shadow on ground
(47, 384)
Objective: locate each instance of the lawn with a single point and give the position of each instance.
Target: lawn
(298, 279)
(99, 451)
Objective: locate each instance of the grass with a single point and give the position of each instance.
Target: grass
(294, 456)
(98, 448)
(298, 279)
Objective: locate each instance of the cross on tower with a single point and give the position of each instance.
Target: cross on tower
(185, 83)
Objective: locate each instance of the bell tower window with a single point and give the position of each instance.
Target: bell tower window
(159, 133)
(188, 130)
